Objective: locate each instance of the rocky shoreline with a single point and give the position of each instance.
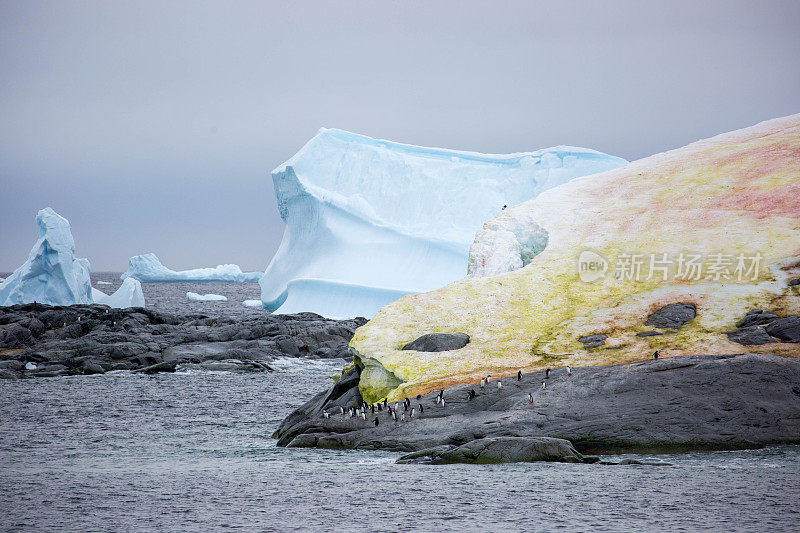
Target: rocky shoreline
(39, 340)
(674, 404)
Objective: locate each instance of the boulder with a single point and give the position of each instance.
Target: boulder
(672, 316)
(756, 319)
(438, 342)
(750, 336)
(498, 450)
(786, 329)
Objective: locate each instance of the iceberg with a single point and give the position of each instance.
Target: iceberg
(252, 303)
(104, 283)
(128, 295)
(51, 275)
(147, 267)
(368, 220)
(194, 297)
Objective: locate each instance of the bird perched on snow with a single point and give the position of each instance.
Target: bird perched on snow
(519, 375)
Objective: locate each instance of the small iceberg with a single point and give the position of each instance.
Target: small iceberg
(128, 295)
(253, 303)
(147, 267)
(194, 297)
(104, 283)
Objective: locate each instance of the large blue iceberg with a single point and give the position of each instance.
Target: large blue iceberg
(147, 267)
(52, 275)
(368, 221)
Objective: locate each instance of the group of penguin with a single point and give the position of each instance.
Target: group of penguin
(392, 410)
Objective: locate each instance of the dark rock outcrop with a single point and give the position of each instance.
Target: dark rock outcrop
(438, 342)
(499, 450)
(750, 336)
(671, 404)
(672, 316)
(92, 339)
(786, 329)
(756, 319)
(593, 341)
(759, 327)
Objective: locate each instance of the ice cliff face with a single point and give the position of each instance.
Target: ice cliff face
(368, 221)
(667, 253)
(147, 267)
(52, 275)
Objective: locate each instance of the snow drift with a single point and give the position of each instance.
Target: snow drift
(147, 267)
(52, 275)
(368, 221)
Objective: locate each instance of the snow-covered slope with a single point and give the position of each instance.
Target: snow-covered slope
(51, 275)
(368, 220)
(147, 267)
(129, 294)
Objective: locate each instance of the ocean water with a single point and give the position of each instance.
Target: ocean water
(192, 452)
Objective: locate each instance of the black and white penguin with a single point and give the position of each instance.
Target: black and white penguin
(544, 385)
(341, 410)
(363, 416)
(376, 421)
(421, 409)
(546, 373)
(499, 385)
(530, 397)
(372, 409)
(442, 402)
(402, 417)
(483, 382)
(569, 370)
(325, 414)
(419, 397)
(412, 413)
(394, 415)
(471, 394)
(380, 407)
(385, 403)
(655, 354)
(519, 375)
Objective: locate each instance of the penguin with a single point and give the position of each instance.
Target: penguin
(483, 382)
(363, 416)
(341, 410)
(419, 397)
(471, 394)
(412, 413)
(544, 385)
(372, 409)
(376, 421)
(519, 375)
(546, 373)
(385, 403)
(499, 385)
(402, 417)
(394, 416)
(405, 406)
(442, 402)
(655, 354)
(380, 407)
(79, 319)
(488, 378)
(504, 207)
(421, 410)
(325, 414)
(569, 370)
(530, 397)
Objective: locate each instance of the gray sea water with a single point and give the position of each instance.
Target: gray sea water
(192, 452)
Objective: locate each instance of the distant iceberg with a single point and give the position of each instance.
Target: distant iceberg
(128, 295)
(52, 275)
(252, 303)
(368, 221)
(104, 283)
(147, 267)
(193, 296)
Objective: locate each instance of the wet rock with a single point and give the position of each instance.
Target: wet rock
(750, 336)
(647, 463)
(438, 342)
(786, 329)
(672, 316)
(498, 450)
(649, 334)
(793, 282)
(155, 369)
(14, 336)
(91, 367)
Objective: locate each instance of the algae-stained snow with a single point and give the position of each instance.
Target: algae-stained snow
(730, 204)
(369, 221)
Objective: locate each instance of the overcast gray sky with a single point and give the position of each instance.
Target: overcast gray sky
(153, 126)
